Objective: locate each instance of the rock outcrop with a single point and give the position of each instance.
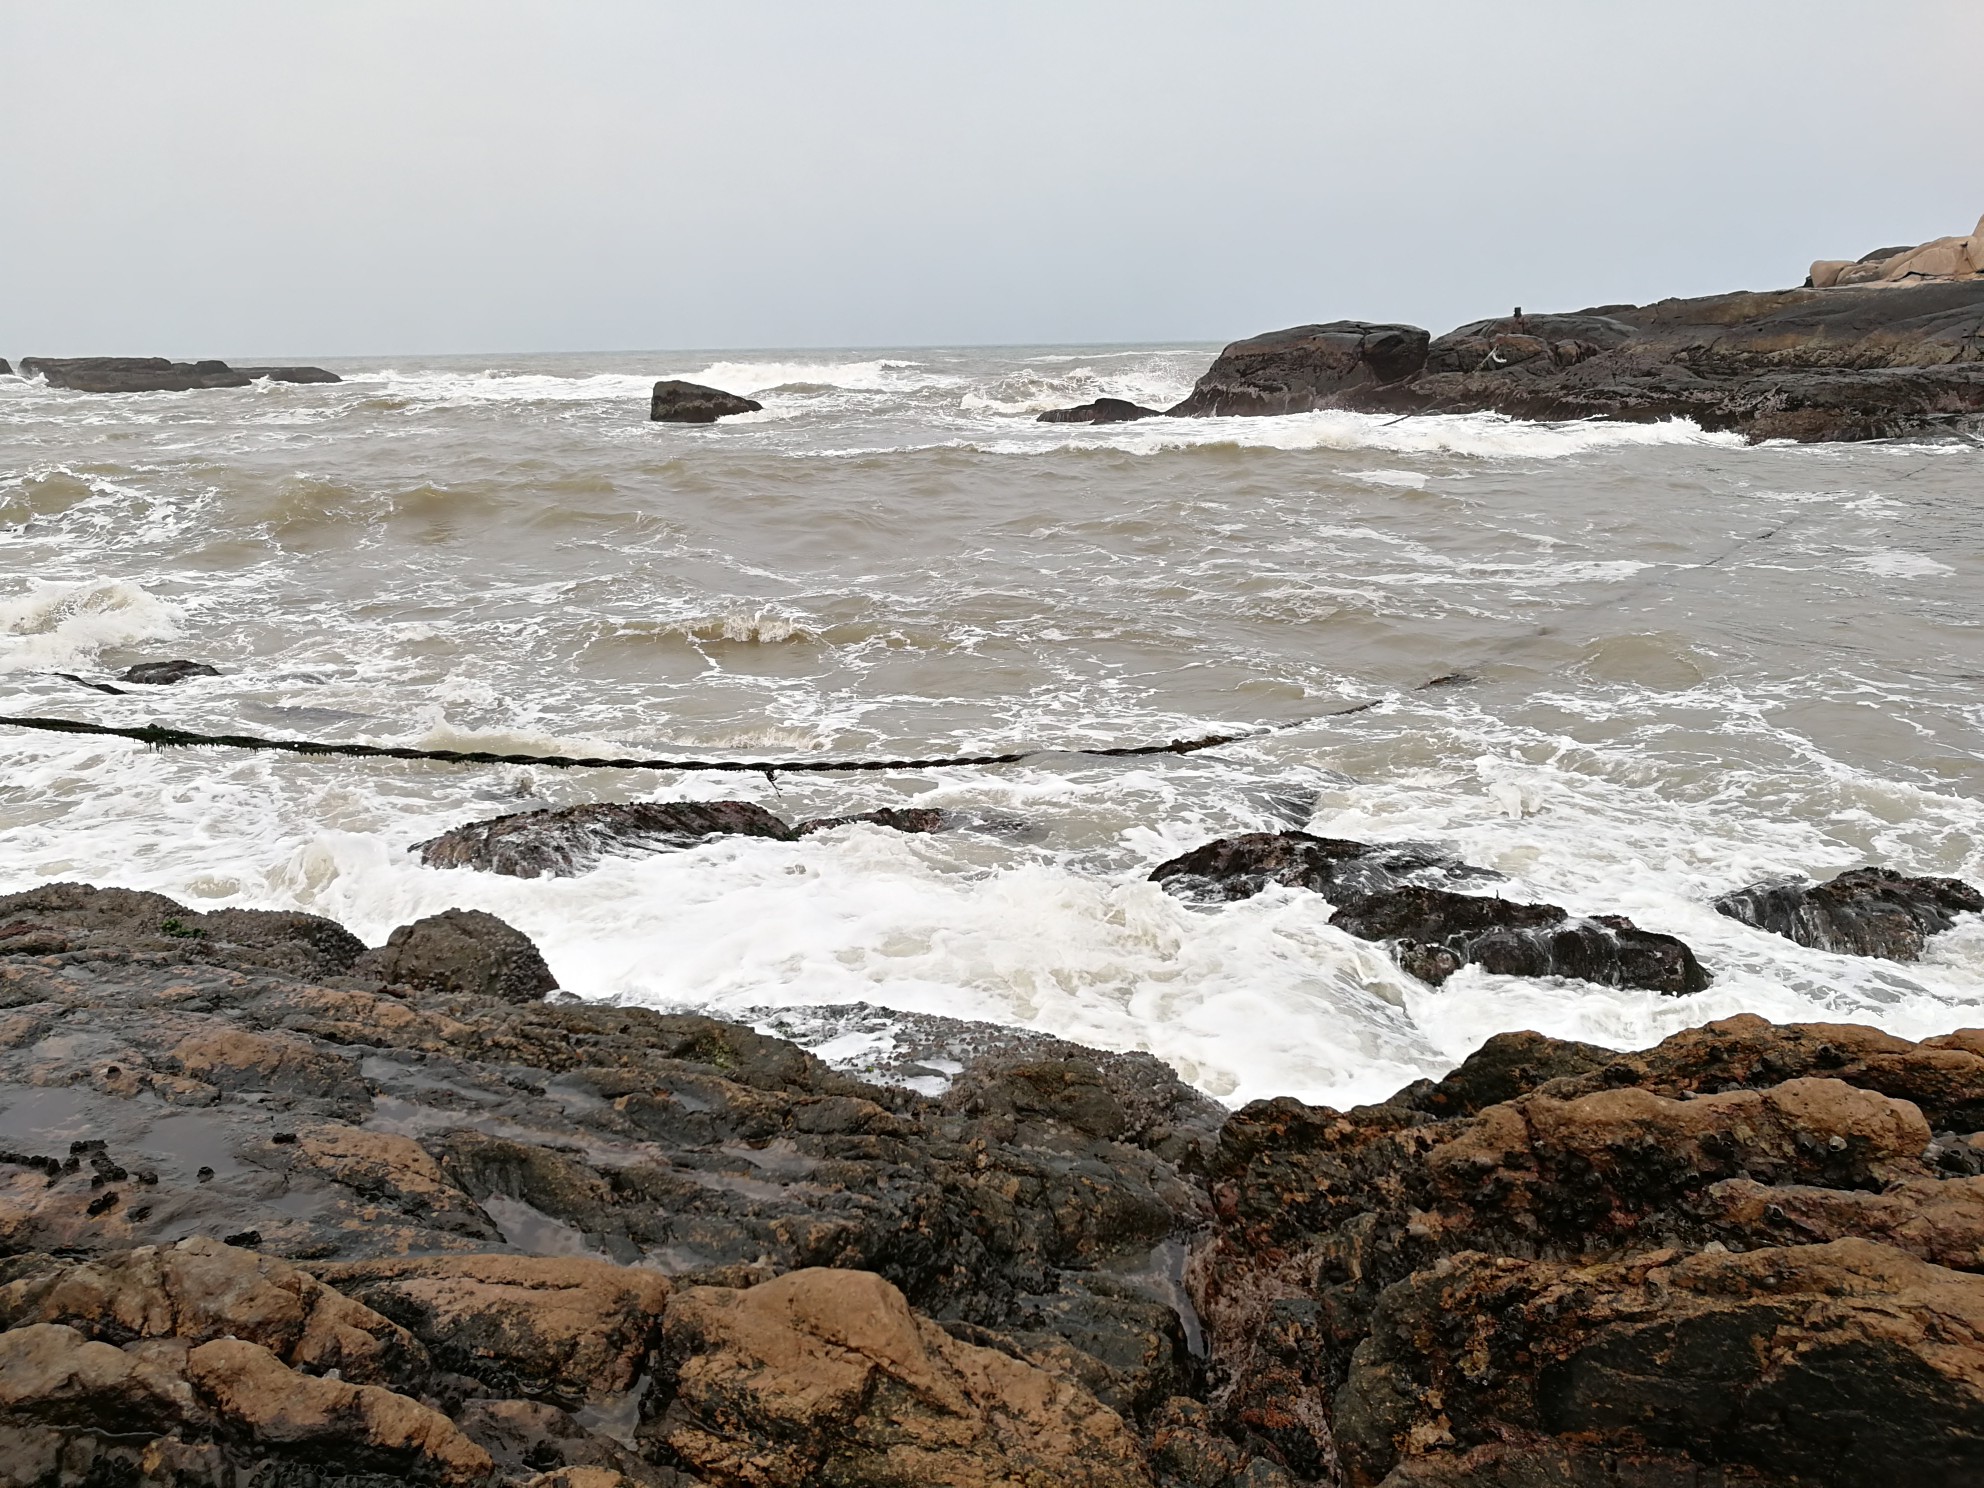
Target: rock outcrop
(296, 1227)
(1863, 912)
(165, 673)
(1434, 932)
(1338, 869)
(462, 950)
(573, 839)
(156, 374)
(1304, 368)
(1944, 258)
(678, 402)
(1101, 411)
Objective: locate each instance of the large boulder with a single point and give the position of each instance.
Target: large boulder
(825, 1376)
(1304, 368)
(1863, 912)
(156, 374)
(165, 673)
(572, 839)
(1434, 932)
(678, 402)
(463, 950)
(1338, 869)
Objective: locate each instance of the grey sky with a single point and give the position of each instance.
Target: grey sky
(250, 179)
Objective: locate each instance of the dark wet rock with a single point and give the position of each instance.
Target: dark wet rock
(572, 839)
(1553, 340)
(1435, 932)
(918, 819)
(1304, 368)
(165, 673)
(677, 402)
(463, 950)
(6, 368)
(1101, 411)
(156, 374)
(1338, 869)
(1863, 912)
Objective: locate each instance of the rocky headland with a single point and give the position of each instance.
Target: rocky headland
(156, 374)
(1888, 345)
(278, 1208)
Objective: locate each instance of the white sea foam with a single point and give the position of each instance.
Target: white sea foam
(65, 625)
(880, 375)
(1897, 565)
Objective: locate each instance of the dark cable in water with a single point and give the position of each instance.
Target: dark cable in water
(159, 736)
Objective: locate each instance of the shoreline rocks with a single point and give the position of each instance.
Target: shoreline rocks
(1863, 912)
(157, 375)
(678, 402)
(325, 1218)
(1888, 346)
(1101, 411)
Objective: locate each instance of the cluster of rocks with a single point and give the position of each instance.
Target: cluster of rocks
(1397, 893)
(1890, 346)
(155, 374)
(281, 1209)
(1943, 258)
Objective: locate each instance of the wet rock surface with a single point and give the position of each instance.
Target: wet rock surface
(1304, 368)
(462, 950)
(1434, 932)
(157, 374)
(678, 402)
(165, 673)
(1863, 912)
(262, 1225)
(1338, 869)
(1101, 411)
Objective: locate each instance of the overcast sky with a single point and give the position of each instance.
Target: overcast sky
(201, 179)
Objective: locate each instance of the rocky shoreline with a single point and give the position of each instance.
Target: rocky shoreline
(281, 1209)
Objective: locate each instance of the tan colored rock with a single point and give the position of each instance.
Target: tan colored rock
(359, 1427)
(200, 1289)
(1945, 258)
(394, 1166)
(235, 1059)
(1940, 1220)
(827, 1376)
(1826, 271)
(580, 1477)
(53, 1375)
(566, 1328)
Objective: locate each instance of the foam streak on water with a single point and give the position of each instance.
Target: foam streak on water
(1684, 664)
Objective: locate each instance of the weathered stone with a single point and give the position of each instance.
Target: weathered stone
(564, 1329)
(1863, 912)
(165, 673)
(678, 402)
(1338, 869)
(827, 1376)
(558, 843)
(463, 950)
(1101, 411)
(1436, 932)
(1304, 368)
(918, 819)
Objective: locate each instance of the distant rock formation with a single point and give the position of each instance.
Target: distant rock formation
(1101, 411)
(677, 402)
(1942, 258)
(1304, 368)
(156, 374)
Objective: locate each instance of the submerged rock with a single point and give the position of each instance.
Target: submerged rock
(917, 819)
(165, 673)
(1436, 932)
(1336, 868)
(1101, 411)
(1303, 368)
(677, 402)
(1863, 912)
(462, 950)
(571, 839)
(156, 374)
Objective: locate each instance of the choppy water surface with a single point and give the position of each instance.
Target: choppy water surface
(1693, 664)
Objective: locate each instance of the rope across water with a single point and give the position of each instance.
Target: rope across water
(159, 736)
